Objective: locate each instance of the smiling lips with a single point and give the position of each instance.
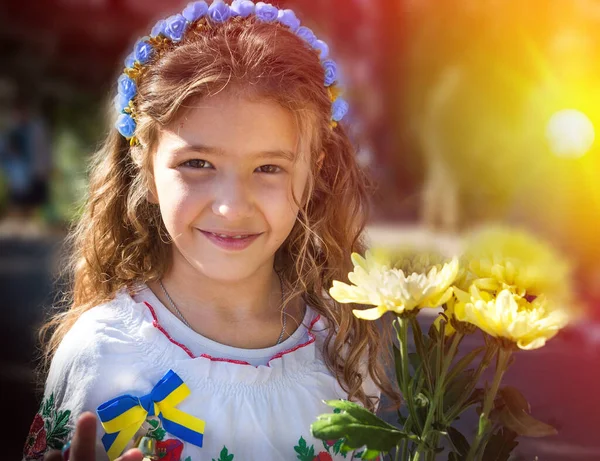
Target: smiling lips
(233, 241)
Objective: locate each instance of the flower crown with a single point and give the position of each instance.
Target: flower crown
(197, 14)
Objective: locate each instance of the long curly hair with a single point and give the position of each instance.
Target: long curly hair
(120, 239)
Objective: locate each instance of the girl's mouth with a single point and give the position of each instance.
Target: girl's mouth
(231, 241)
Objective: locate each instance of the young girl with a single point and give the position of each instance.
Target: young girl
(221, 208)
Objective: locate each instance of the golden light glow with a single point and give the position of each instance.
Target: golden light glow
(570, 133)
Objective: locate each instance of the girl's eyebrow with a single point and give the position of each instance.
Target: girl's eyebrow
(201, 149)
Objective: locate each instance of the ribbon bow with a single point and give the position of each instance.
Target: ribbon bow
(122, 416)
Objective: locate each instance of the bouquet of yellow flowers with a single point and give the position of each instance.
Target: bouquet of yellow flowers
(507, 285)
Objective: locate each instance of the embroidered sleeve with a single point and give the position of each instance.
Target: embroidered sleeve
(92, 364)
(50, 430)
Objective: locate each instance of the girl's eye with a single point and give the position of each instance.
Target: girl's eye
(270, 169)
(197, 164)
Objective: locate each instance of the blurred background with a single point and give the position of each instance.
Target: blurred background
(466, 112)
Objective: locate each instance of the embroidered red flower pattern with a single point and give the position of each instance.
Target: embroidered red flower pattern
(323, 456)
(35, 445)
(50, 429)
(169, 450)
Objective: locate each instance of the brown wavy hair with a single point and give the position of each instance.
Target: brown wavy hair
(120, 240)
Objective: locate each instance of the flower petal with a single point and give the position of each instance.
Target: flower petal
(370, 314)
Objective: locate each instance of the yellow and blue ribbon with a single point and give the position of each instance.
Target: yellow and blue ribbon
(122, 416)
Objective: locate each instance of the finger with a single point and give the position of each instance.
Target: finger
(132, 455)
(83, 445)
(53, 455)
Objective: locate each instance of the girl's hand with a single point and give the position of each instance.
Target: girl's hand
(83, 445)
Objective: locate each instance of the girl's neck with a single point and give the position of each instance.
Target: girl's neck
(244, 313)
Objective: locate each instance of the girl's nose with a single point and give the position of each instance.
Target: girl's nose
(232, 200)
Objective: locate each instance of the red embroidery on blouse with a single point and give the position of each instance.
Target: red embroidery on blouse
(157, 325)
(164, 332)
(217, 359)
(299, 346)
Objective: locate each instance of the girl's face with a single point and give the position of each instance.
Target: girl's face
(225, 176)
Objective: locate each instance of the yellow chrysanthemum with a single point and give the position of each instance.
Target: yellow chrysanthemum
(529, 324)
(499, 259)
(376, 282)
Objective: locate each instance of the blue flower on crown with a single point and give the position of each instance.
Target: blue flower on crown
(125, 125)
(142, 51)
(322, 48)
(175, 27)
(306, 34)
(288, 18)
(242, 8)
(130, 61)
(126, 86)
(331, 72)
(121, 102)
(339, 109)
(158, 29)
(195, 10)
(266, 12)
(219, 11)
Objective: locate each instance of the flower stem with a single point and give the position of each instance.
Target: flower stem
(501, 364)
(419, 346)
(406, 442)
(406, 386)
(438, 396)
(457, 409)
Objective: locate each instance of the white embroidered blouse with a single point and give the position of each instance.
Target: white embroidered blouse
(255, 404)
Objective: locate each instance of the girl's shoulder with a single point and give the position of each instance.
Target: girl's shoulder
(104, 336)
(120, 317)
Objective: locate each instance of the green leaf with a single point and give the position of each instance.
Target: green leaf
(453, 456)
(360, 413)
(484, 423)
(304, 453)
(358, 433)
(188, 458)
(433, 333)
(370, 454)
(464, 363)
(337, 445)
(459, 441)
(398, 365)
(500, 445)
(48, 405)
(59, 433)
(344, 450)
(224, 455)
(62, 418)
(514, 414)
(153, 423)
(455, 389)
(159, 434)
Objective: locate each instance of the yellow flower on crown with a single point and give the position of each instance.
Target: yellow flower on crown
(389, 287)
(528, 323)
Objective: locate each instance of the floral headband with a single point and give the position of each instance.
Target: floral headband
(172, 30)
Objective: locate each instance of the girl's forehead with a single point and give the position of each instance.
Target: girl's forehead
(229, 123)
